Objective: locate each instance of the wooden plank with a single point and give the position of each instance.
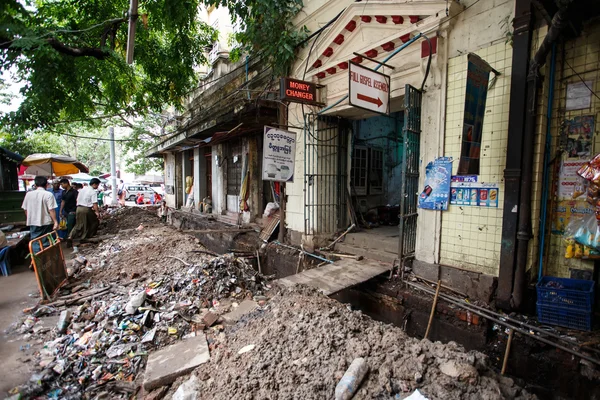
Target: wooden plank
(268, 230)
(340, 275)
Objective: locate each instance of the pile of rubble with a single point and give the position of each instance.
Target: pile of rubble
(301, 344)
(110, 320)
(123, 218)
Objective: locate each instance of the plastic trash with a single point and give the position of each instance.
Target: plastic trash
(348, 385)
(63, 321)
(135, 302)
(187, 390)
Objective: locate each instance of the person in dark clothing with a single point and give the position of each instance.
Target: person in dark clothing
(68, 206)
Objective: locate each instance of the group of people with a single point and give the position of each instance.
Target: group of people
(44, 208)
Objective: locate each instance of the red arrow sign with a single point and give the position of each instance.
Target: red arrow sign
(368, 99)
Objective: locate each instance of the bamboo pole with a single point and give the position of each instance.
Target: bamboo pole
(435, 299)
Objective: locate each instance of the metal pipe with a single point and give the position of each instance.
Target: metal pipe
(503, 323)
(546, 173)
(277, 242)
(524, 233)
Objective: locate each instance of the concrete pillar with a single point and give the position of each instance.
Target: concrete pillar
(185, 171)
(219, 166)
(202, 171)
(196, 167)
(429, 222)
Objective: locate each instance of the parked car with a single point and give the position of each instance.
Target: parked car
(133, 190)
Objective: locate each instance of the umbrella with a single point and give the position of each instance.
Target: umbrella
(47, 164)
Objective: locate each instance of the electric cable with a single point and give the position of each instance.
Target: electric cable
(582, 80)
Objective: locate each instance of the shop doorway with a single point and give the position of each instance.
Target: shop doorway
(234, 175)
(383, 182)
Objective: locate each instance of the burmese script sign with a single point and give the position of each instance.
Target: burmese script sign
(298, 91)
(369, 89)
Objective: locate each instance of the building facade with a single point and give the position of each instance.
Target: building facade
(356, 166)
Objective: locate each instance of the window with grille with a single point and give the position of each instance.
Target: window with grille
(359, 171)
(376, 172)
(234, 168)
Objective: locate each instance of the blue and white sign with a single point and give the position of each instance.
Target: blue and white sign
(436, 194)
(279, 155)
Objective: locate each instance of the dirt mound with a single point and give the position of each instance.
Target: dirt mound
(128, 218)
(304, 343)
(143, 253)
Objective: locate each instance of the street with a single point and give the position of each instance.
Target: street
(145, 294)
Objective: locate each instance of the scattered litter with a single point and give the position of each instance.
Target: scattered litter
(246, 349)
(416, 396)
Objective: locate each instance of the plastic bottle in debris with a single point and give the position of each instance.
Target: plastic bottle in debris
(63, 321)
(348, 385)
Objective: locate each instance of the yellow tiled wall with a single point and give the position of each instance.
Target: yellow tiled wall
(581, 56)
(471, 235)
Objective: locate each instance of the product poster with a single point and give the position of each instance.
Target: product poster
(436, 194)
(578, 133)
(567, 209)
(279, 154)
(474, 194)
(568, 178)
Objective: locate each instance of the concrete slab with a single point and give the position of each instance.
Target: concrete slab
(245, 307)
(166, 365)
(373, 254)
(340, 275)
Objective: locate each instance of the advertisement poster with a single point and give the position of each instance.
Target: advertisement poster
(578, 133)
(481, 196)
(567, 177)
(279, 154)
(464, 178)
(579, 95)
(478, 74)
(436, 194)
(567, 209)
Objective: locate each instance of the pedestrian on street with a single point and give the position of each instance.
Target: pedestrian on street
(40, 206)
(140, 199)
(163, 211)
(121, 192)
(68, 205)
(87, 214)
(57, 192)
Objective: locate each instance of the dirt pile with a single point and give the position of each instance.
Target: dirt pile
(127, 218)
(304, 342)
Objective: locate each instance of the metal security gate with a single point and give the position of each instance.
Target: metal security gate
(325, 164)
(410, 174)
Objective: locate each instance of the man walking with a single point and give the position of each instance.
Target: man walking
(68, 205)
(40, 206)
(57, 192)
(86, 216)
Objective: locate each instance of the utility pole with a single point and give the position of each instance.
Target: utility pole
(113, 166)
(133, 16)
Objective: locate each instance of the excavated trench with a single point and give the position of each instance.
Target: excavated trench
(539, 368)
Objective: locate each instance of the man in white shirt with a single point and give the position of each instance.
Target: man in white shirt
(40, 206)
(87, 213)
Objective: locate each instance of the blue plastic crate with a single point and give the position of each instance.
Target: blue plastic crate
(567, 317)
(571, 293)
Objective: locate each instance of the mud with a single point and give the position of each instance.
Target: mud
(304, 343)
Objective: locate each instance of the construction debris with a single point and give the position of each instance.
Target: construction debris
(303, 343)
(126, 303)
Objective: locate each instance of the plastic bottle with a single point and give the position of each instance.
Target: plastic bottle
(348, 385)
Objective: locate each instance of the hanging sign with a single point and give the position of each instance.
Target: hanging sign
(369, 89)
(436, 194)
(298, 91)
(279, 155)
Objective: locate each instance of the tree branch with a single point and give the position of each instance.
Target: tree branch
(95, 52)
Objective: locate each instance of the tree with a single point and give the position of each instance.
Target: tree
(70, 55)
(26, 143)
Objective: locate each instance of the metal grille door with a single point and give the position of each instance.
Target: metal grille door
(325, 163)
(410, 173)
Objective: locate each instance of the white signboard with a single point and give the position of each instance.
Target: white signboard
(279, 155)
(579, 95)
(369, 89)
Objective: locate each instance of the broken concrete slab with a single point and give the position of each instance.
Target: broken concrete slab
(168, 364)
(245, 307)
